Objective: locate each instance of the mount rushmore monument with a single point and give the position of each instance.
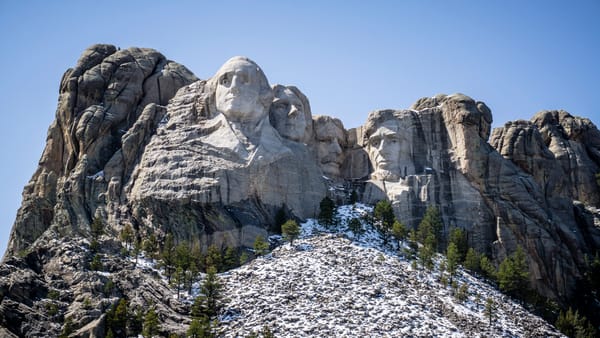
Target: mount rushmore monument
(139, 140)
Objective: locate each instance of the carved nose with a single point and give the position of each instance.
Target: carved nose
(293, 111)
(335, 147)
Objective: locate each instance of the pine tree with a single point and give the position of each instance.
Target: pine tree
(151, 325)
(459, 237)
(168, 256)
(353, 197)
(208, 304)
(472, 260)
(178, 280)
(266, 332)
(214, 258)
(119, 322)
(513, 274)
(426, 253)
(399, 231)
(200, 328)
(136, 322)
(260, 246)
(97, 227)
(327, 211)
(384, 214)
(490, 309)
(356, 227)
(431, 224)
(126, 235)
(487, 268)
(230, 259)
(412, 242)
(150, 246)
(290, 231)
(453, 258)
(244, 258)
(96, 263)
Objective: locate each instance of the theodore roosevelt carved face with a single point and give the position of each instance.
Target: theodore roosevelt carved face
(331, 138)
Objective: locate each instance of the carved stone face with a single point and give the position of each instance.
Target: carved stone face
(330, 139)
(238, 91)
(288, 115)
(385, 148)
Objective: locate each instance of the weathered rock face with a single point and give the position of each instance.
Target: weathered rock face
(100, 99)
(437, 153)
(139, 139)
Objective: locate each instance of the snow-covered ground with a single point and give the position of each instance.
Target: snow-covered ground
(334, 284)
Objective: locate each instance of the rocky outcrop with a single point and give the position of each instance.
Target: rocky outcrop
(100, 100)
(139, 140)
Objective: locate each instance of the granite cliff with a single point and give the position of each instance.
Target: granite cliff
(139, 140)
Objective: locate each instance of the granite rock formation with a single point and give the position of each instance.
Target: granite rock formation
(139, 140)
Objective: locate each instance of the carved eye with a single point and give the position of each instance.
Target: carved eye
(284, 106)
(225, 80)
(374, 141)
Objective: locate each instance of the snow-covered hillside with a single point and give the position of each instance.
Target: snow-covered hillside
(333, 285)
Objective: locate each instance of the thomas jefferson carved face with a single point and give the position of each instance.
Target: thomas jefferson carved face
(289, 114)
(331, 138)
(241, 91)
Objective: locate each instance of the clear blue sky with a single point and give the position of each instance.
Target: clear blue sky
(348, 57)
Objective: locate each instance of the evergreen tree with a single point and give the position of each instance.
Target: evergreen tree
(119, 323)
(137, 248)
(472, 260)
(412, 242)
(261, 246)
(243, 258)
(266, 332)
(453, 257)
(459, 237)
(426, 253)
(96, 263)
(356, 227)
(208, 302)
(399, 231)
(384, 214)
(490, 309)
(431, 224)
(487, 268)
(168, 256)
(136, 322)
(178, 280)
(230, 259)
(353, 197)
(151, 325)
(214, 258)
(126, 235)
(572, 324)
(67, 329)
(200, 328)
(513, 274)
(150, 246)
(327, 211)
(290, 231)
(97, 227)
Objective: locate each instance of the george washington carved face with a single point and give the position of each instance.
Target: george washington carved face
(242, 91)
